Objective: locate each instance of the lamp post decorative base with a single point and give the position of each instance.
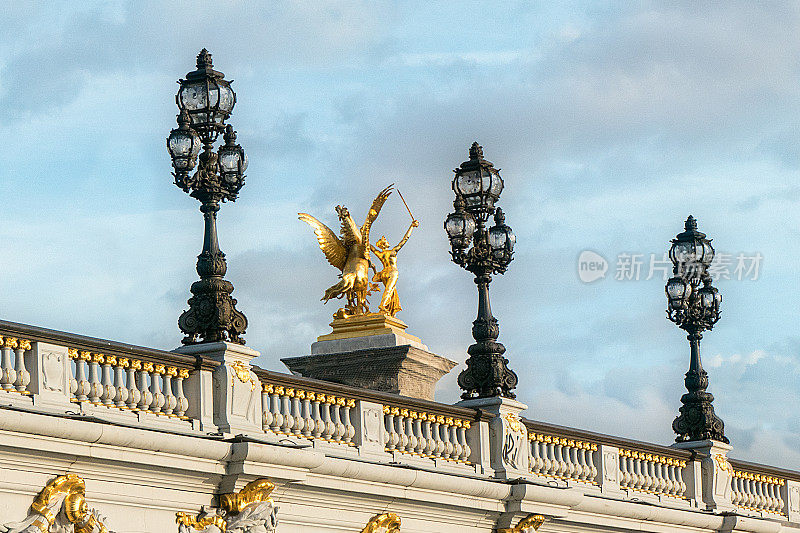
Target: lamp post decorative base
(212, 315)
(697, 420)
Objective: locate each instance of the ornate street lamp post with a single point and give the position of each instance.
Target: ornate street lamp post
(477, 185)
(206, 100)
(694, 309)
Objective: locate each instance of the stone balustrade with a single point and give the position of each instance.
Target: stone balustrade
(653, 473)
(426, 434)
(562, 458)
(758, 492)
(308, 414)
(56, 372)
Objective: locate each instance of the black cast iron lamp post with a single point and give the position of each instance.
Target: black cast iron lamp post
(477, 185)
(206, 100)
(694, 309)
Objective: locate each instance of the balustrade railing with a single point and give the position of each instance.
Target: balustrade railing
(128, 383)
(562, 457)
(758, 492)
(426, 434)
(14, 377)
(653, 473)
(309, 414)
(63, 370)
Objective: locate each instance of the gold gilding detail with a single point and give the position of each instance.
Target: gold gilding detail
(183, 373)
(71, 352)
(388, 522)
(340, 401)
(98, 358)
(268, 388)
(24, 344)
(136, 364)
(200, 524)
(159, 369)
(10, 342)
(172, 371)
(75, 508)
(255, 491)
(148, 366)
(85, 356)
(514, 422)
(533, 521)
(350, 403)
(123, 362)
(111, 360)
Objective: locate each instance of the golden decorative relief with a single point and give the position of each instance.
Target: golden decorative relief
(10, 342)
(197, 523)
(513, 422)
(63, 497)
(752, 476)
(533, 521)
(670, 461)
(243, 373)
(249, 510)
(383, 523)
(551, 439)
(723, 463)
(255, 491)
(24, 345)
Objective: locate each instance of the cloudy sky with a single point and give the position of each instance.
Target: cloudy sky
(611, 123)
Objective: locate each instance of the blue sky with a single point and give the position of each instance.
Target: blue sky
(611, 123)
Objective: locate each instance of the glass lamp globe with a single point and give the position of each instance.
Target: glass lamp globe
(477, 181)
(232, 159)
(183, 145)
(691, 249)
(460, 225)
(678, 292)
(207, 97)
(501, 239)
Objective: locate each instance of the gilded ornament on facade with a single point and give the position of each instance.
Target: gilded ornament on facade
(250, 510)
(60, 507)
(350, 253)
(530, 523)
(383, 523)
(513, 422)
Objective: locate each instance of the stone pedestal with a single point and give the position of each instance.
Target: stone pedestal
(716, 472)
(373, 352)
(509, 450)
(236, 389)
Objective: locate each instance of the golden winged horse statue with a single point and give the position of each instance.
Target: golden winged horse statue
(350, 254)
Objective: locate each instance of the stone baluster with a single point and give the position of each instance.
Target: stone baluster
(462, 439)
(170, 401)
(156, 371)
(437, 435)
(9, 375)
(297, 414)
(318, 428)
(146, 398)
(408, 429)
(109, 392)
(276, 420)
(449, 445)
(121, 395)
(336, 411)
(391, 435)
(23, 377)
(552, 462)
(419, 432)
(308, 416)
(72, 354)
(456, 455)
(134, 392)
(350, 430)
(327, 418)
(95, 381)
(181, 401)
(400, 428)
(83, 386)
(286, 409)
(266, 411)
(427, 432)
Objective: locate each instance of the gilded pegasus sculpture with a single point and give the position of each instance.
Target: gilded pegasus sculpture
(350, 254)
